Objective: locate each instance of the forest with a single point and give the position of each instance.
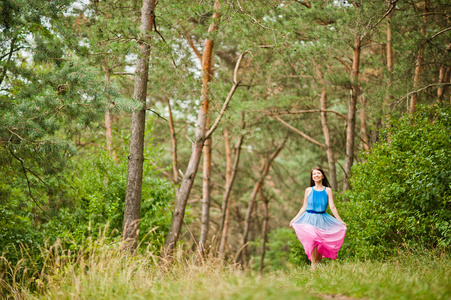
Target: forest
(159, 149)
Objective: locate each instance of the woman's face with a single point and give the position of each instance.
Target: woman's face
(317, 175)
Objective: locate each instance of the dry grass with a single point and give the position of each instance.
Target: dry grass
(100, 270)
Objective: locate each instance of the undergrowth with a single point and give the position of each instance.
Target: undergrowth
(100, 270)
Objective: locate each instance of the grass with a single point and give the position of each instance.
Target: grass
(102, 271)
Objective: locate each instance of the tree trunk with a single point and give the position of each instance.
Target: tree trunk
(444, 76)
(327, 140)
(258, 185)
(136, 157)
(196, 152)
(350, 128)
(175, 168)
(389, 53)
(230, 178)
(363, 131)
(264, 229)
(419, 61)
(108, 128)
(205, 219)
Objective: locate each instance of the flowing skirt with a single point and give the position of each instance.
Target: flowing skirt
(322, 231)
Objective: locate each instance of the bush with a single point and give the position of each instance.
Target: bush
(401, 193)
(98, 197)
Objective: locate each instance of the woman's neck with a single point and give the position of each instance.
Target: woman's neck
(319, 185)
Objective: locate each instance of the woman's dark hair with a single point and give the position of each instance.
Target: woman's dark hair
(325, 181)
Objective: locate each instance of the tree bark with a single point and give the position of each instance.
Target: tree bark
(175, 168)
(350, 128)
(264, 229)
(205, 219)
(230, 178)
(136, 156)
(419, 61)
(327, 140)
(444, 76)
(225, 202)
(389, 51)
(108, 128)
(363, 131)
(255, 191)
(196, 152)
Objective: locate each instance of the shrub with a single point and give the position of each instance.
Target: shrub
(401, 193)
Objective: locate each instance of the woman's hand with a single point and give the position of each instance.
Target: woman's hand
(291, 223)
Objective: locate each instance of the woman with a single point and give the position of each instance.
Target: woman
(320, 233)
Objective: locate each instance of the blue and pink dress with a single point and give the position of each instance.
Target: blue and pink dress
(316, 228)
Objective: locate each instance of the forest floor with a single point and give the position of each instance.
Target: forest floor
(107, 274)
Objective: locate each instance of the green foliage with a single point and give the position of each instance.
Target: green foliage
(401, 193)
(283, 249)
(98, 187)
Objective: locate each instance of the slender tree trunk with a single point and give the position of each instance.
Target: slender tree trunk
(196, 152)
(175, 168)
(350, 128)
(381, 122)
(419, 61)
(225, 203)
(389, 51)
(258, 185)
(327, 140)
(264, 229)
(136, 157)
(444, 76)
(205, 219)
(108, 128)
(230, 177)
(363, 131)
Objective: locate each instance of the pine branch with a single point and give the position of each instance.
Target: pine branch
(26, 176)
(310, 139)
(305, 111)
(229, 97)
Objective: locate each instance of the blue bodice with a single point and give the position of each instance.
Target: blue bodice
(317, 200)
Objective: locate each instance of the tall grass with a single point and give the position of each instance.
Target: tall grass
(100, 270)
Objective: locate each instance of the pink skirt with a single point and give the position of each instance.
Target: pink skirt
(328, 241)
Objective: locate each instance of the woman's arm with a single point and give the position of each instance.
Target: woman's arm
(332, 205)
(304, 205)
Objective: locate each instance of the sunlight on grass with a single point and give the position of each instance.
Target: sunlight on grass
(100, 270)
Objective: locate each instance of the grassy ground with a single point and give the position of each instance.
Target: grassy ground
(103, 272)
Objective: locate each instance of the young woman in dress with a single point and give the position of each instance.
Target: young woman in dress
(320, 233)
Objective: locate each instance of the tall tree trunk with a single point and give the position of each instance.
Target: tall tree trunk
(264, 229)
(230, 178)
(175, 168)
(327, 140)
(136, 157)
(205, 219)
(389, 52)
(258, 185)
(363, 131)
(196, 152)
(419, 61)
(108, 128)
(381, 122)
(444, 76)
(350, 128)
